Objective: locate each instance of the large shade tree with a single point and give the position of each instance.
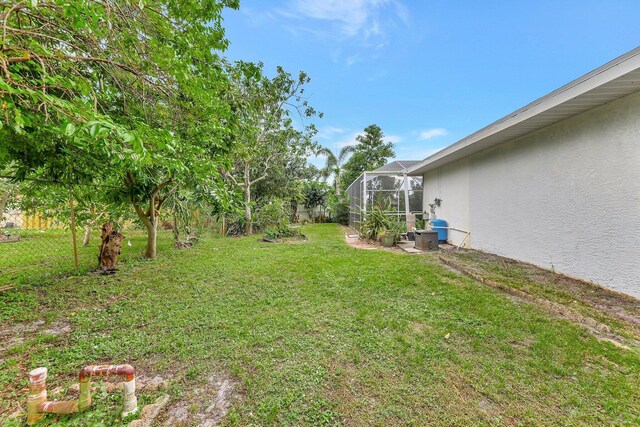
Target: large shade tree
(267, 141)
(288, 182)
(370, 152)
(116, 93)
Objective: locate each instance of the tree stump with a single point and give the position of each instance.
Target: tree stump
(109, 248)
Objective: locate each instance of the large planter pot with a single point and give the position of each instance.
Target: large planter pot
(388, 241)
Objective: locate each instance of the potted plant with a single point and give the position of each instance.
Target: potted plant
(392, 233)
(388, 238)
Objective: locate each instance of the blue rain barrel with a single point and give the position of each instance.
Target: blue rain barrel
(440, 225)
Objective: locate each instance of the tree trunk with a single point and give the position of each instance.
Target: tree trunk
(337, 184)
(151, 240)
(176, 231)
(248, 226)
(293, 210)
(152, 229)
(87, 235)
(151, 223)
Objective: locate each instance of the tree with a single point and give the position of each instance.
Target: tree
(371, 152)
(288, 181)
(266, 140)
(316, 194)
(334, 165)
(127, 94)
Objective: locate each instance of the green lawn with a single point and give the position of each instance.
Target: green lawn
(319, 333)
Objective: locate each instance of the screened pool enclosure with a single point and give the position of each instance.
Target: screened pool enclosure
(388, 188)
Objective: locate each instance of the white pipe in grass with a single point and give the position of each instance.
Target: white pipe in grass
(130, 399)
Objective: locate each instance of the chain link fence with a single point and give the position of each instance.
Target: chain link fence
(38, 243)
(37, 248)
(32, 245)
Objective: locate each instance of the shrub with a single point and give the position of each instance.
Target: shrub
(374, 222)
(235, 223)
(278, 233)
(341, 212)
(273, 214)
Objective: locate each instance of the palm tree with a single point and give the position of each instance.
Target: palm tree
(334, 164)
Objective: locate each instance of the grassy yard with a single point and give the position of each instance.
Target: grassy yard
(318, 333)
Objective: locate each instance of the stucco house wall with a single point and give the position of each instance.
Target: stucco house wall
(566, 197)
(451, 184)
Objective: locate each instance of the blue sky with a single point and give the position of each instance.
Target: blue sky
(428, 72)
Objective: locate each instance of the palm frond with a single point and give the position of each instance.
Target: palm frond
(345, 151)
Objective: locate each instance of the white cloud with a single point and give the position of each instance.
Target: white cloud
(432, 133)
(329, 132)
(352, 18)
(350, 140)
(255, 18)
(393, 138)
(353, 59)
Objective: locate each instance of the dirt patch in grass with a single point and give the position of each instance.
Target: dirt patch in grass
(419, 327)
(524, 344)
(11, 336)
(608, 315)
(205, 405)
(464, 395)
